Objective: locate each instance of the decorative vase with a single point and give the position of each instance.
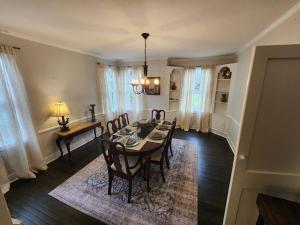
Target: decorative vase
(224, 98)
(173, 87)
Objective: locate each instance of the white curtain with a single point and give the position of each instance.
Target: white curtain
(137, 100)
(107, 77)
(19, 147)
(195, 100)
(116, 91)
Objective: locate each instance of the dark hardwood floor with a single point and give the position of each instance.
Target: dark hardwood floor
(28, 200)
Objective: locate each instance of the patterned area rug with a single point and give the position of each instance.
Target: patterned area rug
(172, 202)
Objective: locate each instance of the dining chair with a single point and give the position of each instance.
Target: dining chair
(157, 114)
(113, 126)
(120, 164)
(158, 157)
(124, 121)
(172, 132)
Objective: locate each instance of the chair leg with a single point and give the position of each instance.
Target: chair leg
(162, 170)
(145, 173)
(167, 161)
(148, 177)
(110, 178)
(129, 189)
(171, 148)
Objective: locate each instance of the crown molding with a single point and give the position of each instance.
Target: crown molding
(51, 44)
(201, 61)
(289, 13)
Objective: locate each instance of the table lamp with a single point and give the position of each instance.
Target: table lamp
(61, 110)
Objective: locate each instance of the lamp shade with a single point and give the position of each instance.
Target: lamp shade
(60, 109)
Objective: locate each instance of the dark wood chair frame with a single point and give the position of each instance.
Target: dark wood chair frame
(124, 121)
(164, 154)
(113, 126)
(157, 114)
(112, 157)
(173, 125)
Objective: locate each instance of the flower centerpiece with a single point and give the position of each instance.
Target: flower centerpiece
(144, 128)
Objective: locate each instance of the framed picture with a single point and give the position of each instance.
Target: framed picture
(154, 86)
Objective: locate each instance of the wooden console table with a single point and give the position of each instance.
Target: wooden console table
(74, 131)
(276, 211)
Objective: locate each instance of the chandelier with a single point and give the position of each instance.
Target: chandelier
(140, 86)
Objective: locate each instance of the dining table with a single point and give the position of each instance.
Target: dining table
(146, 145)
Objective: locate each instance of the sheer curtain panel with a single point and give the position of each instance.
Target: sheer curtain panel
(116, 91)
(137, 100)
(19, 147)
(196, 98)
(107, 77)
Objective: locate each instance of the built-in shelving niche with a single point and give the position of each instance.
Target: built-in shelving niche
(222, 90)
(174, 91)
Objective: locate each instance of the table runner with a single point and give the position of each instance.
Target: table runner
(142, 141)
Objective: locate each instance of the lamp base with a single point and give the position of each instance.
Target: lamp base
(64, 128)
(63, 123)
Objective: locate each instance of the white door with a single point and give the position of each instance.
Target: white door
(268, 153)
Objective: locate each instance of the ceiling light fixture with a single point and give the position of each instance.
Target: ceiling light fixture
(140, 86)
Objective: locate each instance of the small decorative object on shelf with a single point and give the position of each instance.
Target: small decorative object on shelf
(61, 110)
(173, 86)
(224, 73)
(224, 98)
(92, 110)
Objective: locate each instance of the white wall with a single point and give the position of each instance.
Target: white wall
(51, 74)
(158, 68)
(285, 32)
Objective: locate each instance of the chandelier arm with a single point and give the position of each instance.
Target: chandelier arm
(136, 91)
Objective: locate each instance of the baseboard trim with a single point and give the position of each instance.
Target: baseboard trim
(217, 132)
(231, 144)
(55, 155)
(222, 134)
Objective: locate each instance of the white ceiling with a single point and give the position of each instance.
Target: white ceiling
(112, 28)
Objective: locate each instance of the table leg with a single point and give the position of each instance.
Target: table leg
(67, 143)
(260, 220)
(59, 147)
(147, 164)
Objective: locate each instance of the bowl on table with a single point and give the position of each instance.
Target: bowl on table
(130, 142)
(163, 127)
(167, 123)
(135, 124)
(157, 135)
(125, 131)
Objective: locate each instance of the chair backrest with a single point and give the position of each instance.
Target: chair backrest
(113, 126)
(170, 136)
(158, 114)
(124, 121)
(114, 157)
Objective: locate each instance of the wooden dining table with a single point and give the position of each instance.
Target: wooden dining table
(145, 147)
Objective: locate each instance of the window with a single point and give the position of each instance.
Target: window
(117, 95)
(196, 91)
(111, 79)
(129, 95)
